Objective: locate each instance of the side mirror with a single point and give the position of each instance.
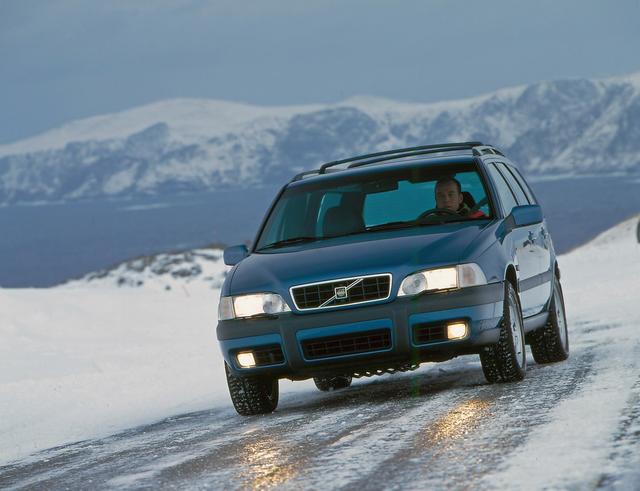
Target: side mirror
(234, 254)
(524, 215)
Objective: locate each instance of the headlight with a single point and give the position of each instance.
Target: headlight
(250, 305)
(430, 280)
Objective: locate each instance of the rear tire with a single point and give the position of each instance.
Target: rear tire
(506, 361)
(253, 394)
(326, 384)
(550, 343)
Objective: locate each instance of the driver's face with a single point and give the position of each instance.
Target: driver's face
(447, 196)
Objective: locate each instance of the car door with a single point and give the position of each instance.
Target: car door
(542, 242)
(519, 243)
(538, 287)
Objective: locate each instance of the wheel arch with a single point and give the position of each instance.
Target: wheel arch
(511, 276)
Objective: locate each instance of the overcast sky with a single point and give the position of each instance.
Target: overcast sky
(65, 59)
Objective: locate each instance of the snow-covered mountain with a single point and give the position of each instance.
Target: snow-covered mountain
(200, 268)
(184, 145)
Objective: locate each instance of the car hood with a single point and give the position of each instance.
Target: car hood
(396, 252)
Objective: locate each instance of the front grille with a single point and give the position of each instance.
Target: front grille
(429, 333)
(347, 344)
(346, 291)
(268, 355)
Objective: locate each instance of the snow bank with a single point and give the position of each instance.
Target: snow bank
(602, 278)
(199, 268)
(76, 364)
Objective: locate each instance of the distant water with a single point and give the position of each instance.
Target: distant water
(578, 209)
(47, 244)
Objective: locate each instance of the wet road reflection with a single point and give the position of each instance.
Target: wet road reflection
(460, 421)
(267, 462)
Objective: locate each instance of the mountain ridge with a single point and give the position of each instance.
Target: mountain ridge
(186, 145)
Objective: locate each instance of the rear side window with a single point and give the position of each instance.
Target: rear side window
(521, 198)
(523, 183)
(506, 196)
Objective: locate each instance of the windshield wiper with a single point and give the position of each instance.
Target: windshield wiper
(391, 226)
(419, 222)
(292, 240)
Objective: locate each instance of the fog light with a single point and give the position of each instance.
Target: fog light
(457, 330)
(246, 359)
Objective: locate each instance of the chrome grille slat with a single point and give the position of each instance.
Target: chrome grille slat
(360, 289)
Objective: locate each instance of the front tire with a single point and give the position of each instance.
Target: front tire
(550, 343)
(253, 394)
(506, 361)
(326, 384)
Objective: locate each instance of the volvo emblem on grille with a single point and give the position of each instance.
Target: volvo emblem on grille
(340, 292)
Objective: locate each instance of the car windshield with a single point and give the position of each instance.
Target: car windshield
(366, 203)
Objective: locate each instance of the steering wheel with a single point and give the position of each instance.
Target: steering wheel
(437, 211)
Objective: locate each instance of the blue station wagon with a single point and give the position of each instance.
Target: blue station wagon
(377, 263)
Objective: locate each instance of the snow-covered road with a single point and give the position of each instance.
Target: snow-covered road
(571, 425)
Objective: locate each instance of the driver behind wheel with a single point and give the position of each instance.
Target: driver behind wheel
(449, 196)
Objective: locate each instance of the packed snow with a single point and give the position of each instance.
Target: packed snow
(84, 362)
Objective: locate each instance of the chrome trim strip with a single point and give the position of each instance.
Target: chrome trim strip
(358, 280)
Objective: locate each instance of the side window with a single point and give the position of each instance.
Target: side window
(521, 198)
(506, 196)
(523, 183)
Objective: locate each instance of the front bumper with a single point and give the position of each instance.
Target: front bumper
(480, 307)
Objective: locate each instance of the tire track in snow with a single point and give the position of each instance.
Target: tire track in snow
(575, 445)
(94, 457)
(468, 441)
(329, 421)
(624, 461)
(194, 446)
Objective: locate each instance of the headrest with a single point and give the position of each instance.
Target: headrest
(467, 199)
(340, 220)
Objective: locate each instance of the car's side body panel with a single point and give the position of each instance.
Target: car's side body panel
(529, 245)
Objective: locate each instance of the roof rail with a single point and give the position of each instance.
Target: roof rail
(412, 154)
(485, 149)
(478, 148)
(443, 146)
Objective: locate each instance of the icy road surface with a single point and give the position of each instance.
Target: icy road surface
(570, 425)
